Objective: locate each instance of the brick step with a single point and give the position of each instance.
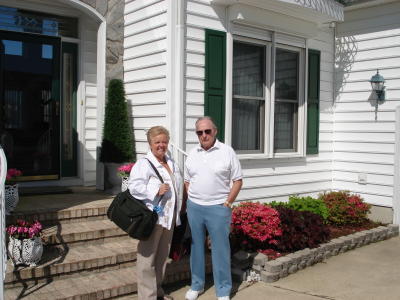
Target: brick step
(75, 213)
(102, 285)
(88, 233)
(58, 263)
(97, 286)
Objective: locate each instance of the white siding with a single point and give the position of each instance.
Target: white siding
(89, 70)
(364, 136)
(145, 66)
(264, 180)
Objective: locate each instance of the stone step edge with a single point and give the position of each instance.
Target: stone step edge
(21, 276)
(102, 285)
(88, 235)
(271, 271)
(52, 215)
(175, 271)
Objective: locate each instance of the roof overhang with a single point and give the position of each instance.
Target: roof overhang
(316, 11)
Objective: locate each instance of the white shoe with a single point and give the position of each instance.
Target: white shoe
(224, 298)
(193, 295)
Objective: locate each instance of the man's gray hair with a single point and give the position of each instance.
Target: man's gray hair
(206, 118)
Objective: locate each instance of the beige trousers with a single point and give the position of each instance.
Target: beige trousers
(151, 262)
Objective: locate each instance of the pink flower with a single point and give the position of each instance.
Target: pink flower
(125, 170)
(12, 174)
(24, 229)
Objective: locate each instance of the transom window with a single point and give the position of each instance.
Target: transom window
(268, 96)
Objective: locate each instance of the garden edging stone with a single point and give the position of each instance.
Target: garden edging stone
(273, 270)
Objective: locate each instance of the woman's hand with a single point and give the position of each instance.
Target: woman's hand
(163, 189)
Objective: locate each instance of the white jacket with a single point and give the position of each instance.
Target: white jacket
(144, 184)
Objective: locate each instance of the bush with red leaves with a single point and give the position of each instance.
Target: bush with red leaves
(300, 229)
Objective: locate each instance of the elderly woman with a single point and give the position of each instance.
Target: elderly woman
(145, 185)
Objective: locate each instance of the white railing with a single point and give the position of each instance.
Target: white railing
(3, 257)
(178, 155)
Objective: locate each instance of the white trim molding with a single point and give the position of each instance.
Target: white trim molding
(396, 180)
(319, 11)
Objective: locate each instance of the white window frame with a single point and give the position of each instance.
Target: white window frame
(269, 41)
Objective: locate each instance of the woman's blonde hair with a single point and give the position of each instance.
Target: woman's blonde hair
(156, 130)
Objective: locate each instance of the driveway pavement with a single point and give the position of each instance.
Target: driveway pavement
(371, 272)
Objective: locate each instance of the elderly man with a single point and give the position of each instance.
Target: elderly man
(210, 168)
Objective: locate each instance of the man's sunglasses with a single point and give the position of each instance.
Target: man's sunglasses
(200, 132)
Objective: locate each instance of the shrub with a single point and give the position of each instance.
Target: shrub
(276, 203)
(255, 225)
(345, 208)
(300, 229)
(117, 144)
(316, 206)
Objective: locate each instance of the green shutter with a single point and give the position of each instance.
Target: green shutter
(313, 101)
(214, 87)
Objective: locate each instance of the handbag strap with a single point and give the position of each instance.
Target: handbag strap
(159, 177)
(155, 170)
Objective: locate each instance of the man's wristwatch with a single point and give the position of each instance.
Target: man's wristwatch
(227, 203)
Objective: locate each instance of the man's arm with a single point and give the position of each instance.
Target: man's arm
(235, 189)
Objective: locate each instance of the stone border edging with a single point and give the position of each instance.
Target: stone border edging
(271, 271)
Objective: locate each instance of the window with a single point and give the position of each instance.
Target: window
(267, 97)
(248, 97)
(286, 100)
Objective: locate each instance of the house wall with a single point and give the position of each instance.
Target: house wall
(364, 134)
(88, 84)
(145, 66)
(264, 179)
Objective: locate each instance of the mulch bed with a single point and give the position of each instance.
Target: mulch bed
(337, 231)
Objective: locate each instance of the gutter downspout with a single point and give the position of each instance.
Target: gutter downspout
(396, 180)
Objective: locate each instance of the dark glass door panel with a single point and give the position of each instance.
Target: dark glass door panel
(30, 104)
(68, 119)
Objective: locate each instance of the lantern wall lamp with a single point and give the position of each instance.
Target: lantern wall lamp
(378, 85)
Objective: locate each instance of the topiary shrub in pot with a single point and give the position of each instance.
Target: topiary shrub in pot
(117, 145)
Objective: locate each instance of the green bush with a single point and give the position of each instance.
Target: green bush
(117, 145)
(316, 206)
(345, 208)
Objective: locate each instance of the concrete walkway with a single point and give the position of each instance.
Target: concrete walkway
(371, 272)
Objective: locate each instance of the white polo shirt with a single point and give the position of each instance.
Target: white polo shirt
(210, 173)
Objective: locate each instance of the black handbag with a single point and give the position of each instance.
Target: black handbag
(132, 215)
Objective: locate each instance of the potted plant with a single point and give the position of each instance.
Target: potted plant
(25, 245)
(123, 172)
(117, 144)
(11, 190)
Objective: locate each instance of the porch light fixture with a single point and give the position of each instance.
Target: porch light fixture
(378, 85)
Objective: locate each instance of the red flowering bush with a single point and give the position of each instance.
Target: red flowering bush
(255, 225)
(345, 208)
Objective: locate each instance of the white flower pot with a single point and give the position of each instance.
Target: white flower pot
(11, 197)
(124, 184)
(26, 251)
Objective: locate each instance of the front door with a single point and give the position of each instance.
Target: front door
(30, 107)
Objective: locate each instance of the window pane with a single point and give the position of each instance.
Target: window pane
(248, 70)
(285, 130)
(286, 77)
(246, 124)
(15, 19)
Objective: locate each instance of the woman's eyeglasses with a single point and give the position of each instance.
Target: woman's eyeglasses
(200, 132)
